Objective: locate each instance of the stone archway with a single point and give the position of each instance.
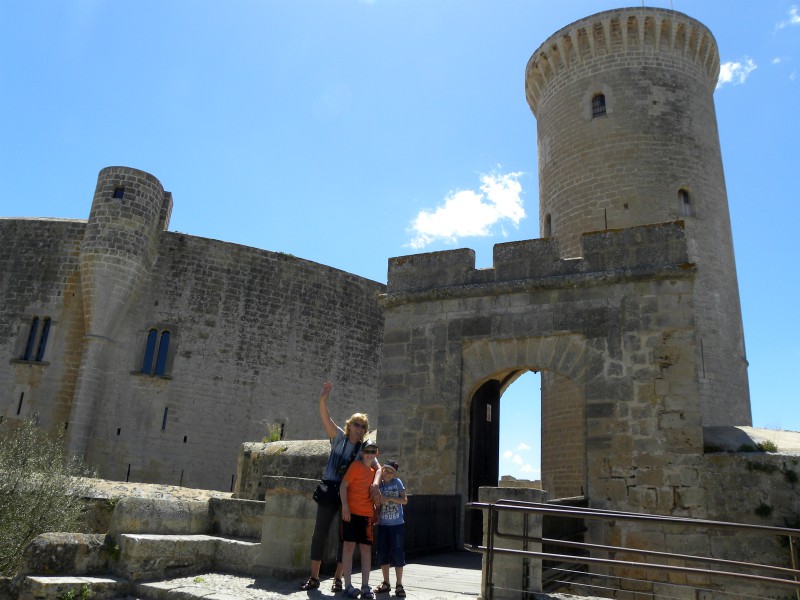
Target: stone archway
(489, 367)
(612, 333)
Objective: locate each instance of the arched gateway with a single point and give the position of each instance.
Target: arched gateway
(612, 332)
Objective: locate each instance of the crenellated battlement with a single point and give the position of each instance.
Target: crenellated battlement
(653, 250)
(632, 32)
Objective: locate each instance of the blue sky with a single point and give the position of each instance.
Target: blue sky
(347, 132)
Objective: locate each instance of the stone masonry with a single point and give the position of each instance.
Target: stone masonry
(628, 305)
(251, 332)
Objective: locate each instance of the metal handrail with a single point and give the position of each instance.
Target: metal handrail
(598, 514)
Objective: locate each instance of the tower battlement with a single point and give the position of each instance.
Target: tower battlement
(629, 34)
(615, 253)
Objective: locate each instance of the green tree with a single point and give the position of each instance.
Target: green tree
(40, 489)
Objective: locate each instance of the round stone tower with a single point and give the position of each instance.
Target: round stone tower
(627, 135)
(129, 210)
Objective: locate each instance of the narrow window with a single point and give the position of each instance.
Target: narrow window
(164, 421)
(43, 339)
(156, 352)
(685, 207)
(548, 226)
(163, 348)
(31, 339)
(598, 105)
(119, 193)
(149, 351)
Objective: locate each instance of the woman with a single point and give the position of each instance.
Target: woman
(345, 448)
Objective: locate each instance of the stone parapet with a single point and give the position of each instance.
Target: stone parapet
(649, 251)
(626, 35)
(289, 516)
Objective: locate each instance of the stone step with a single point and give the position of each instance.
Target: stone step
(35, 587)
(154, 556)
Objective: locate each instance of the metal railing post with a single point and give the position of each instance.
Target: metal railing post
(792, 551)
(489, 591)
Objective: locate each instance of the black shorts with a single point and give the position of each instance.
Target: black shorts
(358, 530)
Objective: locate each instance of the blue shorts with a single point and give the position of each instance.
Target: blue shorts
(391, 541)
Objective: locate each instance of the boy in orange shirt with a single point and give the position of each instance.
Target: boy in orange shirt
(356, 514)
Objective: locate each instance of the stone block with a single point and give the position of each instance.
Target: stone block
(161, 516)
(690, 497)
(507, 571)
(152, 556)
(237, 518)
(58, 587)
(65, 554)
(289, 516)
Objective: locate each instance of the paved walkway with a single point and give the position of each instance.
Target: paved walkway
(451, 576)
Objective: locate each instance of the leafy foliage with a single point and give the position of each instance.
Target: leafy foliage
(39, 489)
(274, 432)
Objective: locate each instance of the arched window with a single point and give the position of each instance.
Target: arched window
(43, 339)
(598, 105)
(548, 226)
(163, 348)
(149, 351)
(31, 338)
(156, 352)
(37, 339)
(685, 205)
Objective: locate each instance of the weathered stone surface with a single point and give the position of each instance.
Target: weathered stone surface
(147, 515)
(65, 554)
(252, 334)
(289, 515)
(236, 518)
(305, 459)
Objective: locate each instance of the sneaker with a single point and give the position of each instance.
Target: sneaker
(337, 586)
(351, 592)
(366, 593)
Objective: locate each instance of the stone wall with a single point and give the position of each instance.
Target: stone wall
(253, 334)
(618, 323)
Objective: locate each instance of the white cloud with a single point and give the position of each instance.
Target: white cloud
(508, 454)
(736, 72)
(518, 460)
(526, 468)
(523, 446)
(467, 213)
(794, 19)
(776, 60)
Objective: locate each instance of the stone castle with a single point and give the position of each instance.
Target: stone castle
(159, 352)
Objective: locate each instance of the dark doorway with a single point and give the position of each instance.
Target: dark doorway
(484, 448)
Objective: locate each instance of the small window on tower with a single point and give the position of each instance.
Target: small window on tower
(119, 193)
(598, 105)
(685, 207)
(548, 226)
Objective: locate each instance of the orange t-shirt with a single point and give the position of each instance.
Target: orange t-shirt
(359, 477)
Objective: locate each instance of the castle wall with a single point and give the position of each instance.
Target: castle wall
(617, 323)
(255, 334)
(39, 277)
(252, 336)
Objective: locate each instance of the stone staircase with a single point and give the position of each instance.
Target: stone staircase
(222, 535)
